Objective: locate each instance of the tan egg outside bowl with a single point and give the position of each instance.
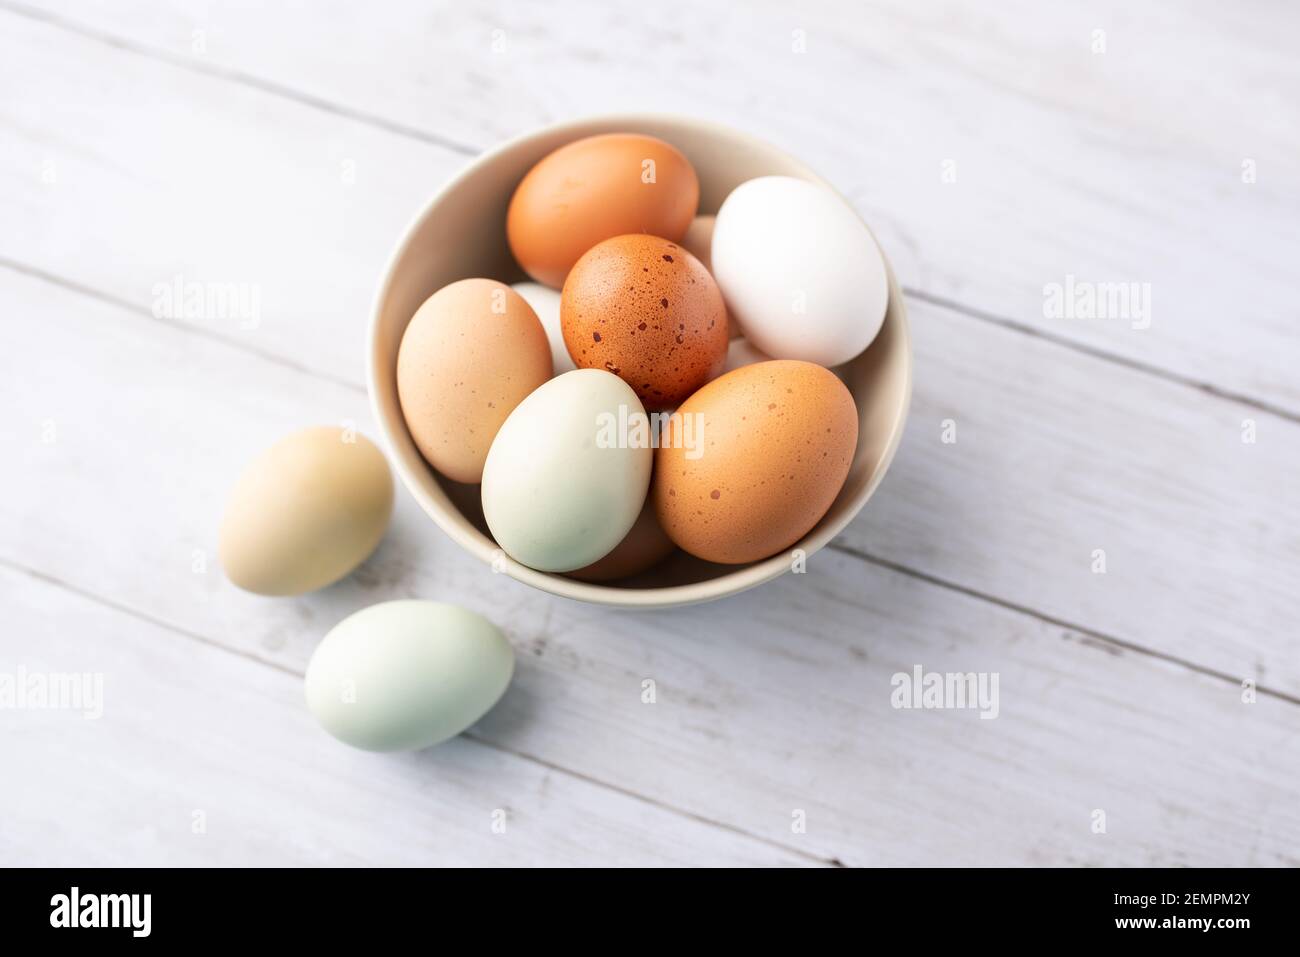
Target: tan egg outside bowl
(461, 234)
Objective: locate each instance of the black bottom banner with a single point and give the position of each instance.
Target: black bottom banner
(338, 907)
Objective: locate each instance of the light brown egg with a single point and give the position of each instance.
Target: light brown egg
(646, 310)
(471, 353)
(752, 461)
(593, 189)
(643, 547)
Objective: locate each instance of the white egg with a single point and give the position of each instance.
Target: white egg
(567, 474)
(404, 675)
(801, 274)
(546, 303)
(740, 352)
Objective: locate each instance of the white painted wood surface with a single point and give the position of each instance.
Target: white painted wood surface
(287, 147)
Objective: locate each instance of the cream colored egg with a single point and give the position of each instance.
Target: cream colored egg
(306, 512)
(404, 675)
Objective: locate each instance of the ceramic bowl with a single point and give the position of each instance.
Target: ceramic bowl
(461, 233)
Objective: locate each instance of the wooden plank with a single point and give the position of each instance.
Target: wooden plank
(767, 705)
(1058, 454)
(1121, 165)
(127, 175)
(1097, 496)
(201, 757)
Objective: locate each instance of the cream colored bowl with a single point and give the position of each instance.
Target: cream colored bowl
(462, 233)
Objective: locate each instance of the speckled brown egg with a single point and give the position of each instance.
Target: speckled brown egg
(470, 354)
(752, 461)
(646, 310)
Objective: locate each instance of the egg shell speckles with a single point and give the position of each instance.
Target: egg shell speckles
(471, 353)
(775, 439)
(645, 309)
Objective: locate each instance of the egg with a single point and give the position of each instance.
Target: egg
(472, 351)
(740, 352)
(643, 547)
(405, 675)
(545, 301)
(698, 240)
(645, 309)
(751, 462)
(567, 474)
(699, 243)
(306, 512)
(801, 274)
(593, 189)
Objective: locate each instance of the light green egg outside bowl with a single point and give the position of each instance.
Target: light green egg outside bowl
(406, 675)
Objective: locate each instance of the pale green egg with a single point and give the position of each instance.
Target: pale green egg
(405, 675)
(567, 474)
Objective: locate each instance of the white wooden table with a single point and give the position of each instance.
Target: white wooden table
(996, 149)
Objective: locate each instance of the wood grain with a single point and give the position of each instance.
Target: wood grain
(201, 757)
(772, 703)
(278, 156)
(1096, 496)
(1058, 454)
(1122, 165)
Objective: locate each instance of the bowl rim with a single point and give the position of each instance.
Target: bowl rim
(467, 537)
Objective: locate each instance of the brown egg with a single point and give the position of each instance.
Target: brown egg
(752, 461)
(470, 354)
(643, 547)
(593, 189)
(646, 310)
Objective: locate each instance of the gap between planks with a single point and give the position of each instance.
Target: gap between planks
(156, 622)
(1113, 642)
(1135, 365)
(237, 76)
(464, 149)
